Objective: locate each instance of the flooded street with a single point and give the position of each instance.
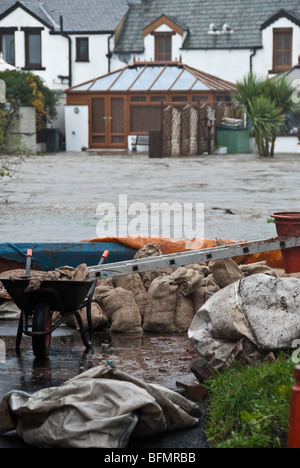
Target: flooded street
(55, 197)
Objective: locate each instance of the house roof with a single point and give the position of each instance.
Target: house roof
(78, 16)
(155, 76)
(244, 17)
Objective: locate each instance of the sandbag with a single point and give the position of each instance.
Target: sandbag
(99, 319)
(225, 271)
(257, 313)
(184, 313)
(134, 284)
(151, 250)
(161, 306)
(120, 308)
(256, 268)
(101, 408)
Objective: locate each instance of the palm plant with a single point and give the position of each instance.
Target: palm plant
(247, 90)
(266, 118)
(265, 102)
(280, 92)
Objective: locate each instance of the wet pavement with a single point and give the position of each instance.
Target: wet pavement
(164, 360)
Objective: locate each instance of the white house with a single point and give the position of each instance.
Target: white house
(225, 38)
(64, 42)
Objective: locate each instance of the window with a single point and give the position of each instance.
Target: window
(82, 49)
(33, 48)
(7, 45)
(283, 47)
(163, 48)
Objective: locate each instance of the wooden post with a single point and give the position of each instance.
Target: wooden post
(155, 144)
(294, 432)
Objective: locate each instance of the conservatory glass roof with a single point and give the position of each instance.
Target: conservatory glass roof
(151, 76)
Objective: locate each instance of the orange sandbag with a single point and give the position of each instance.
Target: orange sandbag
(170, 246)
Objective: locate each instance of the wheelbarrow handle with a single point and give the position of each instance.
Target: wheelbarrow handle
(104, 256)
(28, 261)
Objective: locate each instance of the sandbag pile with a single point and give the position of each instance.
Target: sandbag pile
(163, 301)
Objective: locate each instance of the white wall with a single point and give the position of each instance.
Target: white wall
(232, 64)
(54, 48)
(98, 62)
(263, 61)
(77, 127)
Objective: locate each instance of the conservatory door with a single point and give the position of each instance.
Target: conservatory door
(107, 129)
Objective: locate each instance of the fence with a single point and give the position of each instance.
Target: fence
(191, 130)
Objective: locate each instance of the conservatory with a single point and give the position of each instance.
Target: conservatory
(104, 112)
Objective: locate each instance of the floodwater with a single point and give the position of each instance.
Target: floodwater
(55, 197)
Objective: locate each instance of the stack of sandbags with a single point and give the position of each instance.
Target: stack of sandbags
(120, 308)
(195, 282)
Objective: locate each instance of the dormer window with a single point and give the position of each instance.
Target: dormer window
(283, 48)
(163, 47)
(163, 38)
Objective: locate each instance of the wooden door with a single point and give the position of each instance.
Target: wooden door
(107, 122)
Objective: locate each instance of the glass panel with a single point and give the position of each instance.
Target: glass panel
(117, 139)
(158, 98)
(83, 49)
(199, 86)
(279, 42)
(126, 79)
(287, 42)
(102, 84)
(117, 114)
(146, 79)
(278, 58)
(166, 79)
(161, 46)
(179, 98)
(287, 58)
(98, 139)
(168, 46)
(8, 48)
(34, 49)
(83, 87)
(98, 114)
(185, 81)
(199, 98)
(144, 118)
(138, 99)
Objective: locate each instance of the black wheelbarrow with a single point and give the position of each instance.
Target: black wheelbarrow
(66, 297)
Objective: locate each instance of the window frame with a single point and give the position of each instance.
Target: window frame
(8, 31)
(163, 36)
(79, 57)
(284, 32)
(32, 32)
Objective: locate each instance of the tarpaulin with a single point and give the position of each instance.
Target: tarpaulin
(101, 408)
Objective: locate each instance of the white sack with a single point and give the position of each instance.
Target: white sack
(260, 311)
(100, 408)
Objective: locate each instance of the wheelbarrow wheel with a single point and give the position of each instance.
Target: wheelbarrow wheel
(41, 322)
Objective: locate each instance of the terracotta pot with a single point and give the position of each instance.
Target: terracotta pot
(288, 225)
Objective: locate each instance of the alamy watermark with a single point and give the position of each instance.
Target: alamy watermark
(175, 220)
(296, 93)
(296, 353)
(2, 352)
